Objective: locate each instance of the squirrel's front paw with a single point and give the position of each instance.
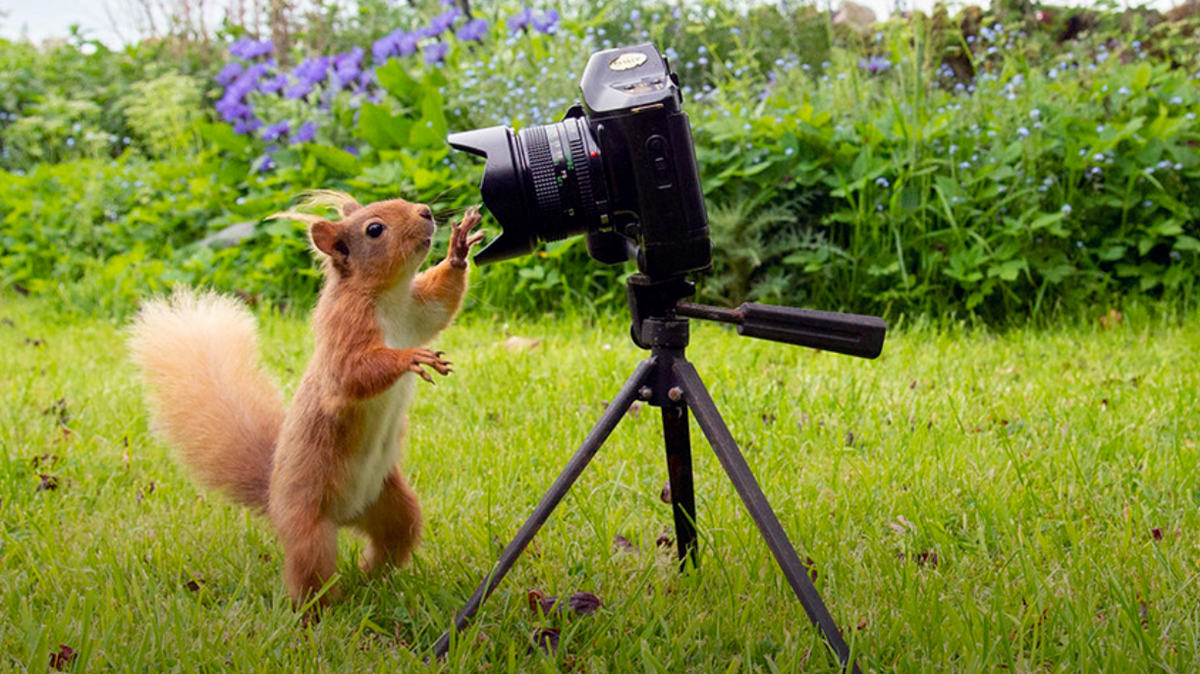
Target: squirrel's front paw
(461, 239)
(421, 356)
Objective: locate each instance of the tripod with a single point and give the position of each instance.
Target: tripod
(668, 381)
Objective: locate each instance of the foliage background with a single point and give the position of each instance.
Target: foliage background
(996, 166)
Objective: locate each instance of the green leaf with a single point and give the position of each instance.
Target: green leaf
(1008, 270)
(335, 158)
(397, 82)
(383, 130)
(1187, 243)
(1142, 77)
(222, 136)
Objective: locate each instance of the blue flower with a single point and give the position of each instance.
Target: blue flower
(351, 149)
(264, 163)
(229, 73)
(882, 182)
(473, 30)
(1066, 209)
(305, 133)
(436, 52)
(547, 22)
(1022, 132)
(249, 49)
(875, 64)
(275, 131)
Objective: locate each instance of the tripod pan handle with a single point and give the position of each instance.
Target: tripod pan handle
(849, 334)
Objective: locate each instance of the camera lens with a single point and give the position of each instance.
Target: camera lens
(543, 183)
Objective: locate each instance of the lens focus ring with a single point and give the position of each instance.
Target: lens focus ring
(545, 183)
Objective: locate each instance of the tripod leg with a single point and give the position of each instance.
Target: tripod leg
(679, 468)
(579, 461)
(710, 421)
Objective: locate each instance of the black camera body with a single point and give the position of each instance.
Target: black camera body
(620, 168)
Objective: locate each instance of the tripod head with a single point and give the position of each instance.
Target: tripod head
(659, 320)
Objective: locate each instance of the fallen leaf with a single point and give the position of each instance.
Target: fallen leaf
(546, 638)
(928, 559)
(635, 408)
(862, 624)
(48, 483)
(664, 540)
(21, 290)
(516, 344)
(540, 603)
(61, 660)
(622, 544)
(665, 494)
(584, 603)
(1157, 533)
(768, 418)
(8, 322)
(193, 582)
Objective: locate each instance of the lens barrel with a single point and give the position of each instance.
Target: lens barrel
(543, 183)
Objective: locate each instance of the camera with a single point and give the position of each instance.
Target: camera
(619, 168)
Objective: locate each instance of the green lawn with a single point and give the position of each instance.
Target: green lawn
(975, 502)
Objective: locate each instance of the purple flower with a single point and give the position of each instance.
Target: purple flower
(473, 30)
(436, 52)
(347, 67)
(351, 149)
(265, 162)
(232, 109)
(298, 90)
(229, 72)
(312, 71)
(246, 126)
(305, 133)
(520, 20)
(273, 85)
(250, 49)
(875, 64)
(395, 43)
(547, 22)
(443, 22)
(275, 131)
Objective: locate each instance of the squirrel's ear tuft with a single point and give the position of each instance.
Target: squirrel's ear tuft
(350, 207)
(324, 235)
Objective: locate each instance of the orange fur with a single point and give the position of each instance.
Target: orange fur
(330, 461)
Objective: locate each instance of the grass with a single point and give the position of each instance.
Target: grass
(975, 502)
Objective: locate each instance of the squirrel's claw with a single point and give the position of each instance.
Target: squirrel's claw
(431, 359)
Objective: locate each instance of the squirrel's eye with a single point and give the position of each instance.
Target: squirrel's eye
(375, 229)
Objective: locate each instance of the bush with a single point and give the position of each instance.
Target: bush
(939, 166)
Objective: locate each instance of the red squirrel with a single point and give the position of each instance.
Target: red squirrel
(329, 460)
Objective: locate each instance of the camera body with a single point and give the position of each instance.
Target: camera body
(620, 168)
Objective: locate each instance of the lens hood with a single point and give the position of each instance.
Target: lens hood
(502, 190)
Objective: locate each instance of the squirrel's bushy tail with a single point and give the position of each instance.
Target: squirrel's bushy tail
(198, 353)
